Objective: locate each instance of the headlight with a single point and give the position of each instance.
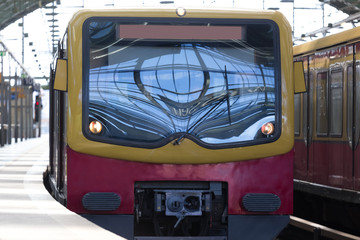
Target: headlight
(95, 127)
(267, 128)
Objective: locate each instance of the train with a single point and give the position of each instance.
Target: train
(327, 130)
(175, 123)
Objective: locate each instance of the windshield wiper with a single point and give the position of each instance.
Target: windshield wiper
(227, 95)
(177, 141)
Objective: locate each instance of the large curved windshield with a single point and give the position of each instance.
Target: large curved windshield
(148, 84)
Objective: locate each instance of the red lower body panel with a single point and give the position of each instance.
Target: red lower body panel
(87, 173)
(325, 162)
(300, 161)
(357, 168)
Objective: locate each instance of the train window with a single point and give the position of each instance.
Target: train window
(336, 102)
(62, 47)
(149, 83)
(321, 104)
(64, 43)
(297, 101)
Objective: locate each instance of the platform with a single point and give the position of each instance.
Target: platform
(27, 211)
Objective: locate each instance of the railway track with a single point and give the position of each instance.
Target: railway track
(300, 229)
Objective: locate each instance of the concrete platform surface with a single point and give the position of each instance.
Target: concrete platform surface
(27, 211)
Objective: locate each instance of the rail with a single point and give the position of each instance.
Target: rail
(320, 230)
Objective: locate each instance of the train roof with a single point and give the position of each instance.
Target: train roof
(344, 37)
(228, 13)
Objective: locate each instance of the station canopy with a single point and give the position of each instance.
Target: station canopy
(12, 10)
(347, 6)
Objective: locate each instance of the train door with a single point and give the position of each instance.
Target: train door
(58, 140)
(310, 118)
(331, 152)
(57, 136)
(340, 127)
(301, 129)
(349, 116)
(356, 118)
(319, 156)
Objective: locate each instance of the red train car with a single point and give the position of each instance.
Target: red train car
(327, 127)
(175, 123)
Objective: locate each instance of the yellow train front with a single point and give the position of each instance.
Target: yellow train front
(175, 122)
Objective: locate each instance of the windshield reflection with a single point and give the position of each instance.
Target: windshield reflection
(148, 91)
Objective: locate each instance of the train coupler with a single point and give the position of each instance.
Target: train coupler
(181, 204)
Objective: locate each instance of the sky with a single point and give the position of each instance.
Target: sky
(307, 16)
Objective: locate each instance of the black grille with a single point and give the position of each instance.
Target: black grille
(261, 202)
(101, 201)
